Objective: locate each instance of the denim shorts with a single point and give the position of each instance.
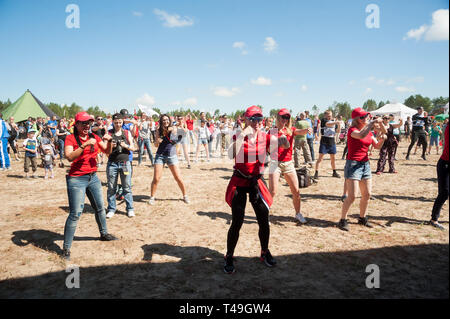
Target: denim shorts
(357, 170)
(434, 140)
(166, 159)
(203, 141)
(327, 149)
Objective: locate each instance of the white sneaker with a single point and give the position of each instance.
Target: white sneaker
(130, 213)
(110, 214)
(300, 218)
(186, 199)
(151, 201)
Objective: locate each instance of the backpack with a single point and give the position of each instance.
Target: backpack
(304, 178)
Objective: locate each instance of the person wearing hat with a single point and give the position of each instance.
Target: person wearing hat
(357, 166)
(327, 142)
(419, 132)
(81, 150)
(249, 152)
(30, 145)
(118, 152)
(131, 125)
(281, 160)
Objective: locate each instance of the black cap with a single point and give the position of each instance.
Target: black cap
(117, 116)
(125, 113)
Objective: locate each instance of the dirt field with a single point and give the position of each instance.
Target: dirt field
(174, 250)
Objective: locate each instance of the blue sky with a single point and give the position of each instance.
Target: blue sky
(211, 54)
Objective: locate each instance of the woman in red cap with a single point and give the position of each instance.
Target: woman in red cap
(281, 160)
(249, 151)
(81, 149)
(357, 167)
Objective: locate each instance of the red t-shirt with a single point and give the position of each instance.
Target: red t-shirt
(283, 154)
(190, 124)
(86, 163)
(358, 148)
(444, 155)
(251, 161)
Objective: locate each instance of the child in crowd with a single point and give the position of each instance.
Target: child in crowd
(30, 144)
(47, 160)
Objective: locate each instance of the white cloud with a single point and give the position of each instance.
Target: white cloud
(415, 33)
(262, 81)
(438, 31)
(225, 92)
(352, 82)
(137, 14)
(390, 82)
(239, 45)
(304, 88)
(146, 100)
(174, 20)
(368, 90)
(270, 45)
(190, 101)
(439, 26)
(176, 103)
(404, 89)
(279, 94)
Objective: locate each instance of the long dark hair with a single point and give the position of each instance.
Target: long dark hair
(161, 130)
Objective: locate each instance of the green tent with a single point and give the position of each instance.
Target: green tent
(441, 117)
(27, 105)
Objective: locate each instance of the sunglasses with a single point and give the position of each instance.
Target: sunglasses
(363, 117)
(256, 118)
(286, 117)
(85, 123)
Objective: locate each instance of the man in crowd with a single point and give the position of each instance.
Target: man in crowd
(419, 132)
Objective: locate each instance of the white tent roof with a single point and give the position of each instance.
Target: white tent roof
(399, 110)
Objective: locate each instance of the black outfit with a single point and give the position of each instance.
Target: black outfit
(443, 183)
(420, 125)
(238, 212)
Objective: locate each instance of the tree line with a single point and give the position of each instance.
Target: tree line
(342, 108)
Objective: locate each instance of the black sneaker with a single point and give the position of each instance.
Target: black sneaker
(365, 222)
(335, 174)
(66, 254)
(228, 268)
(343, 197)
(407, 157)
(107, 237)
(424, 157)
(267, 258)
(437, 225)
(343, 224)
(316, 175)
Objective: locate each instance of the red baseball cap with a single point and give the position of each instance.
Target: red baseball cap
(359, 112)
(252, 111)
(83, 117)
(284, 112)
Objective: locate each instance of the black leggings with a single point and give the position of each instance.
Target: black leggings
(442, 176)
(422, 139)
(238, 212)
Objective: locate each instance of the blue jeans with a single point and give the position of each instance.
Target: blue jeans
(61, 148)
(357, 170)
(146, 142)
(77, 188)
(113, 170)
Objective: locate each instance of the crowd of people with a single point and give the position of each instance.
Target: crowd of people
(257, 145)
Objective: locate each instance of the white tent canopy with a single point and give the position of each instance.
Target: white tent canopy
(398, 110)
(446, 108)
(147, 110)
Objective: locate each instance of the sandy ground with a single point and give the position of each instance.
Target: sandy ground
(175, 250)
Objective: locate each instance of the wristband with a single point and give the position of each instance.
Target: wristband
(82, 147)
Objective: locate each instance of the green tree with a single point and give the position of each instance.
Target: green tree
(439, 101)
(343, 109)
(381, 104)
(415, 101)
(315, 110)
(5, 105)
(370, 105)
